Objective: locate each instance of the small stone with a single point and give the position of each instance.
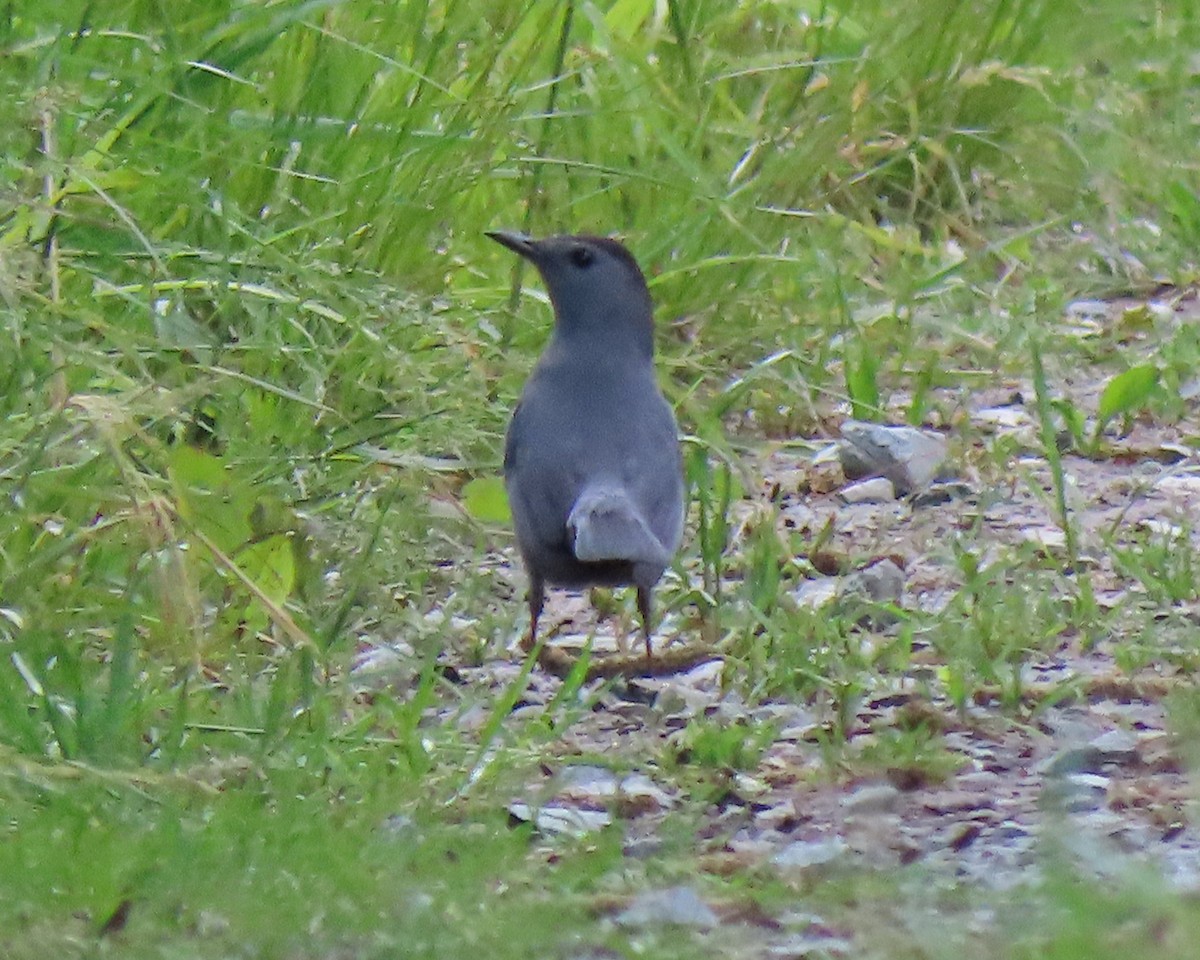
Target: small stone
(803, 946)
(677, 906)
(818, 593)
(778, 816)
(873, 798)
(1087, 310)
(1001, 418)
(1115, 746)
(1183, 871)
(829, 454)
(875, 490)
(1011, 832)
(826, 477)
(881, 582)
(1051, 542)
(980, 782)
(1077, 792)
(1079, 759)
(389, 667)
(641, 795)
(586, 779)
(958, 801)
(748, 787)
(560, 820)
(803, 855)
(910, 458)
(1181, 490)
(643, 847)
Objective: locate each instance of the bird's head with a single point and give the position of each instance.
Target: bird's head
(595, 284)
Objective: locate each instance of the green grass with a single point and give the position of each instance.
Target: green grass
(255, 344)
(279, 866)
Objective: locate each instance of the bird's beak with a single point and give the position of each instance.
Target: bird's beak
(516, 242)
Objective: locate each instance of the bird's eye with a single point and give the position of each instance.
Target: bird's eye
(582, 256)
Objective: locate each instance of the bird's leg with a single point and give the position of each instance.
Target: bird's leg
(536, 598)
(644, 608)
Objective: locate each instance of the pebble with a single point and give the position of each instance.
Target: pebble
(1088, 309)
(875, 490)
(872, 798)
(804, 854)
(677, 906)
(1083, 758)
(1077, 792)
(1116, 746)
(881, 582)
(910, 458)
(941, 493)
(557, 820)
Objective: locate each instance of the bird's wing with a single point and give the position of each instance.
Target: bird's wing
(538, 473)
(654, 479)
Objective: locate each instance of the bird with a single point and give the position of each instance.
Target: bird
(592, 461)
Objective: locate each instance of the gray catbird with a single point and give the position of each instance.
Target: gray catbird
(591, 460)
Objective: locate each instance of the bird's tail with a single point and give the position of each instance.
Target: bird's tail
(605, 524)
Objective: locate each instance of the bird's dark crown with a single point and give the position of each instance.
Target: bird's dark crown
(608, 244)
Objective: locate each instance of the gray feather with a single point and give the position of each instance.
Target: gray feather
(606, 524)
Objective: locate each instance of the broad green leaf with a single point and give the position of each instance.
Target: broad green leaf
(1128, 391)
(271, 565)
(485, 500)
(211, 496)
